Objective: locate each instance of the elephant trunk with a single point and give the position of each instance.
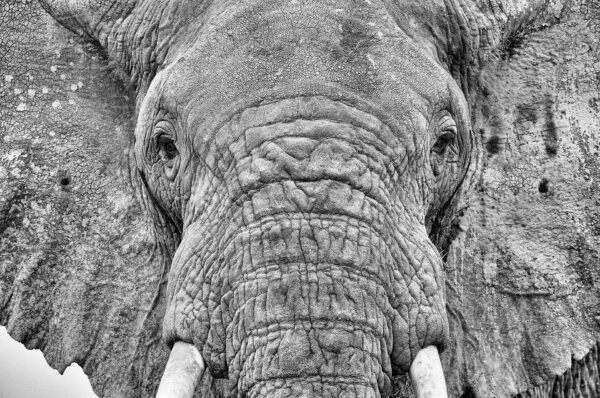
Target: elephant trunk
(310, 273)
(305, 310)
(314, 329)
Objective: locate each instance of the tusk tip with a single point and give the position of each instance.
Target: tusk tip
(427, 374)
(183, 372)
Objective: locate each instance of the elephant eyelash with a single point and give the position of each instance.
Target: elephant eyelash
(447, 123)
(165, 147)
(444, 141)
(447, 137)
(166, 150)
(162, 141)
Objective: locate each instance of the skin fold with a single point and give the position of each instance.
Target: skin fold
(297, 158)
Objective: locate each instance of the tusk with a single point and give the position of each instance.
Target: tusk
(182, 373)
(427, 375)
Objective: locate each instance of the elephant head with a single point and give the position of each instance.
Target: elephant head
(302, 163)
(299, 159)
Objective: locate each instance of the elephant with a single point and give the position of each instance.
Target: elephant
(291, 198)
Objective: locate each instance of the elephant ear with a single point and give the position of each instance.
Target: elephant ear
(136, 35)
(523, 289)
(82, 273)
(463, 34)
(80, 276)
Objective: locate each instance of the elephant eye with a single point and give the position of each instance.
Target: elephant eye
(443, 142)
(165, 150)
(444, 151)
(447, 135)
(166, 147)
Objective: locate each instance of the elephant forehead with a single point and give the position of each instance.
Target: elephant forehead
(252, 50)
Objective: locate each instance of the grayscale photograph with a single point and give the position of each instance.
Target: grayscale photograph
(299, 198)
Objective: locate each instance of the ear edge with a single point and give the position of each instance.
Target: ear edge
(130, 31)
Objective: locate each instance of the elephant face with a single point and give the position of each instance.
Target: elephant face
(302, 151)
(301, 165)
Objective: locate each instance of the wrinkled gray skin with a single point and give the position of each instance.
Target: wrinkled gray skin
(299, 158)
(81, 277)
(301, 165)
